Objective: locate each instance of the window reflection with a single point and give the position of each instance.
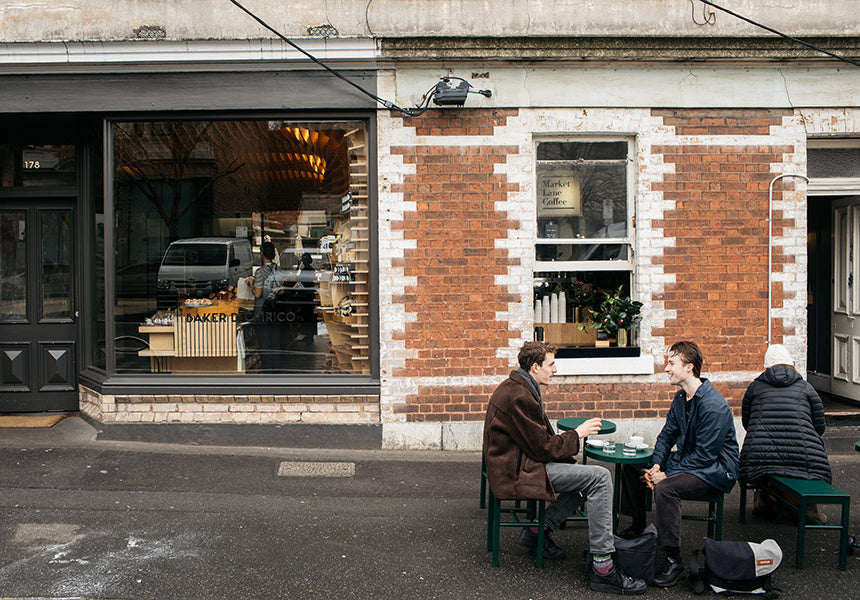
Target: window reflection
(29, 165)
(198, 204)
(57, 263)
(13, 265)
(583, 211)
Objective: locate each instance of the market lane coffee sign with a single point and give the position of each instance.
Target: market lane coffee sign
(558, 195)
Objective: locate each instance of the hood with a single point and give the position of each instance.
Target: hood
(779, 376)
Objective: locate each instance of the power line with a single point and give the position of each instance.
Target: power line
(386, 103)
(779, 33)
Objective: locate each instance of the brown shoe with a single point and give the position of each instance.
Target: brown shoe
(812, 513)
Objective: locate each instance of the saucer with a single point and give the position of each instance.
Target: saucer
(595, 443)
(642, 446)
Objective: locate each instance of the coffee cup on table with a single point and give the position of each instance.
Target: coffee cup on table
(636, 440)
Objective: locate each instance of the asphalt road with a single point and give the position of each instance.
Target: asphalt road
(81, 518)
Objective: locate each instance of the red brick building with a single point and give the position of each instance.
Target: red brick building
(698, 166)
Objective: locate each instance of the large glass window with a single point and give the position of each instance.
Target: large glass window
(241, 247)
(583, 251)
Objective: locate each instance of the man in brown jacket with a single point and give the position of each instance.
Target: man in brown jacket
(527, 460)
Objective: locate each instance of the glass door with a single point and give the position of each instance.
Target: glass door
(38, 314)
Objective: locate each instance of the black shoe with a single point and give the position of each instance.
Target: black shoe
(671, 573)
(615, 582)
(550, 548)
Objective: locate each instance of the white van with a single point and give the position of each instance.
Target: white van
(203, 266)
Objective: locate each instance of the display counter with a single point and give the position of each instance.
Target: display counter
(195, 339)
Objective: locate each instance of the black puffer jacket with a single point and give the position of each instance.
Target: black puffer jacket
(784, 420)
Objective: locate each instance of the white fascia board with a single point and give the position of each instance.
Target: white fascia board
(50, 56)
(639, 365)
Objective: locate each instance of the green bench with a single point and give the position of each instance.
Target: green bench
(807, 492)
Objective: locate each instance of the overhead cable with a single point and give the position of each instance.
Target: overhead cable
(386, 103)
(779, 33)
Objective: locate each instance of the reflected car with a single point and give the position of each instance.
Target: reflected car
(137, 281)
(199, 267)
(297, 280)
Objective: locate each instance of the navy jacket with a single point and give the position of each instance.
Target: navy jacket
(707, 445)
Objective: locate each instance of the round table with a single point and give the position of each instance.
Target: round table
(619, 458)
(570, 423)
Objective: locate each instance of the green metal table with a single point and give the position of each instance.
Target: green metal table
(619, 458)
(570, 423)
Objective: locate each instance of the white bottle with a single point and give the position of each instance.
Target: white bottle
(538, 311)
(562, 308)
(553, 308)
(545, 311)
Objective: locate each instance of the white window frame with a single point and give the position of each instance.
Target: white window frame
(643, 364)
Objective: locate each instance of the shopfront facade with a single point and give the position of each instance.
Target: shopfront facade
(145, 181)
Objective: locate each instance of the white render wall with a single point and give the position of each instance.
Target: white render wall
(43, 20)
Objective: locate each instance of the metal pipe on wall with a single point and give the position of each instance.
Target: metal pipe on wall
(770, 243)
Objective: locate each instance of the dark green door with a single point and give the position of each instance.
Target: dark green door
(38, 312)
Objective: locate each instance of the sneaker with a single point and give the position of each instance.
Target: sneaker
(550, 548)
(671, 573)
(615, 582)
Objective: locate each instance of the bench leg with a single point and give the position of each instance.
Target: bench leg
(843, 537)
(801, 532)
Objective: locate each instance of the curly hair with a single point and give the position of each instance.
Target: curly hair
(534, 353)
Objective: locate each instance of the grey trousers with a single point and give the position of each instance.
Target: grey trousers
(575, 484)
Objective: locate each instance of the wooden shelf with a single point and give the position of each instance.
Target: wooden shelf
(155, 329)
(157, 353)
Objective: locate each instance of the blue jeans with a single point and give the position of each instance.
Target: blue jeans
(575, 484)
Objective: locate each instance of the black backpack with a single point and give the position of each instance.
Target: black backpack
(735, 567)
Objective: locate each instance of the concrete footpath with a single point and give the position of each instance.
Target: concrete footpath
(83, 518)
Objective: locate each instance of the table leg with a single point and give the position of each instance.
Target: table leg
(616, 497)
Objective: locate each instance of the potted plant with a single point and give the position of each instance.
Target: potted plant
(581, 297)
(616, 314)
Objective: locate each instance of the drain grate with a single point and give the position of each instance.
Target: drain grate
(316, 469)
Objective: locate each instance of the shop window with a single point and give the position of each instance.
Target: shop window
(584, 241)
(206, 213)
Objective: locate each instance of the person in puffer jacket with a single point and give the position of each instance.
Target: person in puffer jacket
(784, 420)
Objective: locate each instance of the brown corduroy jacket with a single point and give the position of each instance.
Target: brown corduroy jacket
(519, 440)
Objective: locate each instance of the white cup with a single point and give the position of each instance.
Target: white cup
(636, 440)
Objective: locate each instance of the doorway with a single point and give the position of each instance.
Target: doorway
(38, 306)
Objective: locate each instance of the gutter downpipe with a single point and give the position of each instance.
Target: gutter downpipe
(770, 243)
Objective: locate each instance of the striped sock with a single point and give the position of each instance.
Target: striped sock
(602, 563)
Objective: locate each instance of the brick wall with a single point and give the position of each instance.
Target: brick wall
(457, 190)
(720, 230)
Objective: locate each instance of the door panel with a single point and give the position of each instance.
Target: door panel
(38, 319)
(845, 318)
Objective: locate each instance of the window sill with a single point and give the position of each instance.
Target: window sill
(603, 361)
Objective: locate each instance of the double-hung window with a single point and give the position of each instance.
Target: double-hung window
(584, 245)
